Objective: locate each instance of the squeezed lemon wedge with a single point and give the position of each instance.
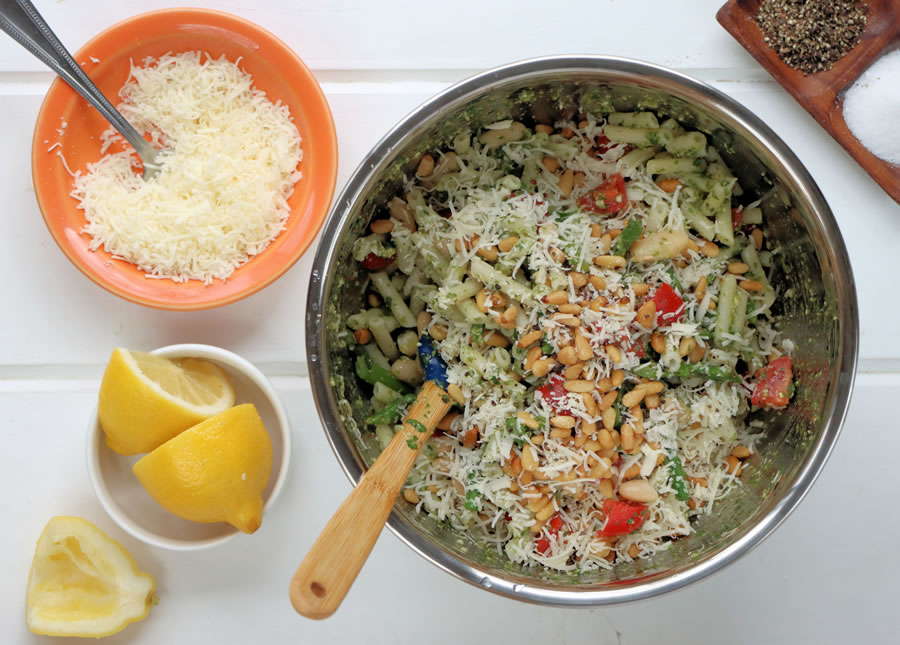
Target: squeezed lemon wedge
(146, 399)
(84, 583)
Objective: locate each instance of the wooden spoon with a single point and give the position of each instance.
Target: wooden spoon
(332, 564)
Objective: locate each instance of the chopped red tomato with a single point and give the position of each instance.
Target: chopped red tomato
(669, 305)
(772, 390)
(608, 197)
(554, 394)
(621, 518)
(602, 144)
(553, 527)
(374, 262)
(636, 348)
(737, 216)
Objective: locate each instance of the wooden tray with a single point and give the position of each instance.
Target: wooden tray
(820, 94)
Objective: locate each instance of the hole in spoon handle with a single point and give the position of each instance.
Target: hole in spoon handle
(317, 589)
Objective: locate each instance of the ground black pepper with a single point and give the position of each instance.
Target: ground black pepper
(811, 35)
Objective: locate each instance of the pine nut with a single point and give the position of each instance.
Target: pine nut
(646, 314)
(531, 337)
(614, 233)
(757, 236)
(537, 439)
(638, 490)
(583, 348)
(653, 387)
(633, 550)
(563, 421)
(588, 428)
(570, 308)
(610, 261)
(738, 268)
(542, 367)
(698, 481)
(426, 166)
(614, 353)
(438, 332)
(606, 240)
(422, 321)
(668, 185)
(558, 256)
(709, 249)
(685, 346)
(525, 478)
(597, 282)
(607, 400)
(545, 513)
(573, 371)
(543, 128)
(456, 393)
(605, 488)
(627, 433)
(605, 439)
(697, 353)
(509, 316)
(633, 398)
(640, 288)
(741, 452)
(401, 212)
(489, 253)
(751, 285)
(734, 466)
(382, 226)
(578, 279)
(579, 386)
(533, 355)
(596, 230)
(410, 496)
(556, 298)
(604, 385)
(529, 459)
(590, 405)
(362, 336)
(567, 133)
(652, 401)
(528, 420)
(592, 445)
(496, 339)
(566, 183)
(506, 245)
(444, 423)
(609, 418)
(598, 304)
(633, 472)
(567, 356)
(658, 342)
(700, 289)
(550, 163)
(566, 319)
(617, 377)
(374, 300)
(560, 434)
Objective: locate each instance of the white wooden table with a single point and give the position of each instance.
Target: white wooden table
(826, 576)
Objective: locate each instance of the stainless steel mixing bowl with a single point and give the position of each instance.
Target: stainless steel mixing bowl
(813, 272)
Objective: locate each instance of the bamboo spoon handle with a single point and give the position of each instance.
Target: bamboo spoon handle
(332, 564)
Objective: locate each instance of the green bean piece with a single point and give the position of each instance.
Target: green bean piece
(630, 235)
(390, 414)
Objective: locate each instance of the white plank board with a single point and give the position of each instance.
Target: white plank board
(467, 34)
(269, 326)
(825, 576)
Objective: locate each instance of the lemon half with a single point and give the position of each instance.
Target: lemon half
(84, 583)
(215, 471)
(146, 399)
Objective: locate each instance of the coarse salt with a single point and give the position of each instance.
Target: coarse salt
(871, 107)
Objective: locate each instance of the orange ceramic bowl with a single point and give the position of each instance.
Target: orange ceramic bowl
(275, 69)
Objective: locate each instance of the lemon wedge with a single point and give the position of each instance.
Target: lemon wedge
(146, 399)
(215, 471)
(84, 583)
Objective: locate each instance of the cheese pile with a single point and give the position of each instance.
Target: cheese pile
(221, 195)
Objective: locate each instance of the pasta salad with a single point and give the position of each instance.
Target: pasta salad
(603, 305)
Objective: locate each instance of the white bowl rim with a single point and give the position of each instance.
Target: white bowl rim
(217, 355)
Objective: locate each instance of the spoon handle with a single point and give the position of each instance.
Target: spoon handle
(332, 564)
(21, 20)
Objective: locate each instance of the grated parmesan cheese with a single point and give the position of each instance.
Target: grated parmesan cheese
(221, 194)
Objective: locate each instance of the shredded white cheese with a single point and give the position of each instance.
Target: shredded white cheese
(221, 194)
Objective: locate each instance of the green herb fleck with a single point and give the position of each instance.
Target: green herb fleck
(412, 443)
(418, 425)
